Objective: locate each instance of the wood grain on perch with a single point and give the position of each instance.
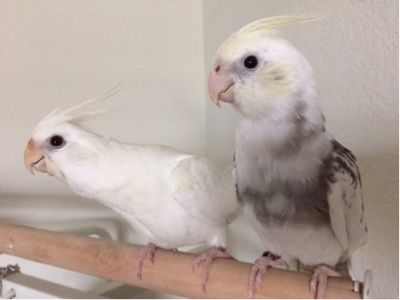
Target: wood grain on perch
(171, 272)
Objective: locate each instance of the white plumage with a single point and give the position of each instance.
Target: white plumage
(174, 199)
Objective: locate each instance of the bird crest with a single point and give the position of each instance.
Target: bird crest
(76, 113)
(261, 29)
(270, 25)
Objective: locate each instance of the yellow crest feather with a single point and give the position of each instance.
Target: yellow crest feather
(262, 28)
(270, 24)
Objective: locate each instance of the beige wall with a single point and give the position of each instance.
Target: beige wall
(55, 52)
(354, 53)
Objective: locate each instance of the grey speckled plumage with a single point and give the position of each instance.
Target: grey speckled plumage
(310, 199)
(299, 188)
(327, 193)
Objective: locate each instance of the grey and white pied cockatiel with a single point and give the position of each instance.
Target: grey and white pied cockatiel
(298, 187)
(173, 199)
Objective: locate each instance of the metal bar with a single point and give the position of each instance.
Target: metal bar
(26, 286)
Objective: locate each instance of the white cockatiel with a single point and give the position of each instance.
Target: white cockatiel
(173, 199)
(298, 187)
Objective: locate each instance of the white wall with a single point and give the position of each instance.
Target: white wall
(354, 53)
(54, 53)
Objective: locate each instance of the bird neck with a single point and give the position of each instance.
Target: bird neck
(285, 129)
(289, 144)
(93, 165)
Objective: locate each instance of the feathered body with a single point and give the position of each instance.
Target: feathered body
(172, 198)
(305, 201)
(298, 187)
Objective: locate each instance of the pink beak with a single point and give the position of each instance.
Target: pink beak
(220, 85)
(34, 158)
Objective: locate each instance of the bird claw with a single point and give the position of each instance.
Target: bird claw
(217, 103)
(198, 261)
(147, 251)
(319, 280)
(207, 259)
(258, 271)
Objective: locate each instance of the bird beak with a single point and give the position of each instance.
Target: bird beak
(34, 158)
(220, 85)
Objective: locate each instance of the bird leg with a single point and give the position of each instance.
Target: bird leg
(147, 251)
(207, 259)
(259, 269)
(319, 280)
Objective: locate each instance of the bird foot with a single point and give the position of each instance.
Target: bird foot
(319, 280)
(259, 269)
(207, 259)
(147, 251)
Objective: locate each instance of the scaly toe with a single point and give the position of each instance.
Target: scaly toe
(319, 280)
(139, 271)
(321, 290)
(197, 262)
(252, 281)
(207, 260)
(258, 271)
(148, 250)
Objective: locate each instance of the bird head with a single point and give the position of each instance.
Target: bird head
(256, 70)
(59, 141)
(48, 146)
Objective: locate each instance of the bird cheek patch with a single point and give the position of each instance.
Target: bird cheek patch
(53, 170)
(276, 78)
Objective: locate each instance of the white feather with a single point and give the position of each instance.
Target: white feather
(172, 198)
(73, 113)
(346, 212)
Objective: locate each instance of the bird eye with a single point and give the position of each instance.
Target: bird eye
(250, 62)
(57, 141)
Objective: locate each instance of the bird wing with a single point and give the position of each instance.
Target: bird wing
(204, 190)
(346, 207)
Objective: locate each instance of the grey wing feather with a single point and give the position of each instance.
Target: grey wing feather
(346, 207)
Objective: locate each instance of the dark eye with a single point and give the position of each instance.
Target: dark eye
(57, 141)
(250, 62)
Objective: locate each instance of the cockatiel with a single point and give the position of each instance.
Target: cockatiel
(298, 187)
(173, 199)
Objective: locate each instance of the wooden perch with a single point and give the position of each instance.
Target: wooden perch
(171, 272)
